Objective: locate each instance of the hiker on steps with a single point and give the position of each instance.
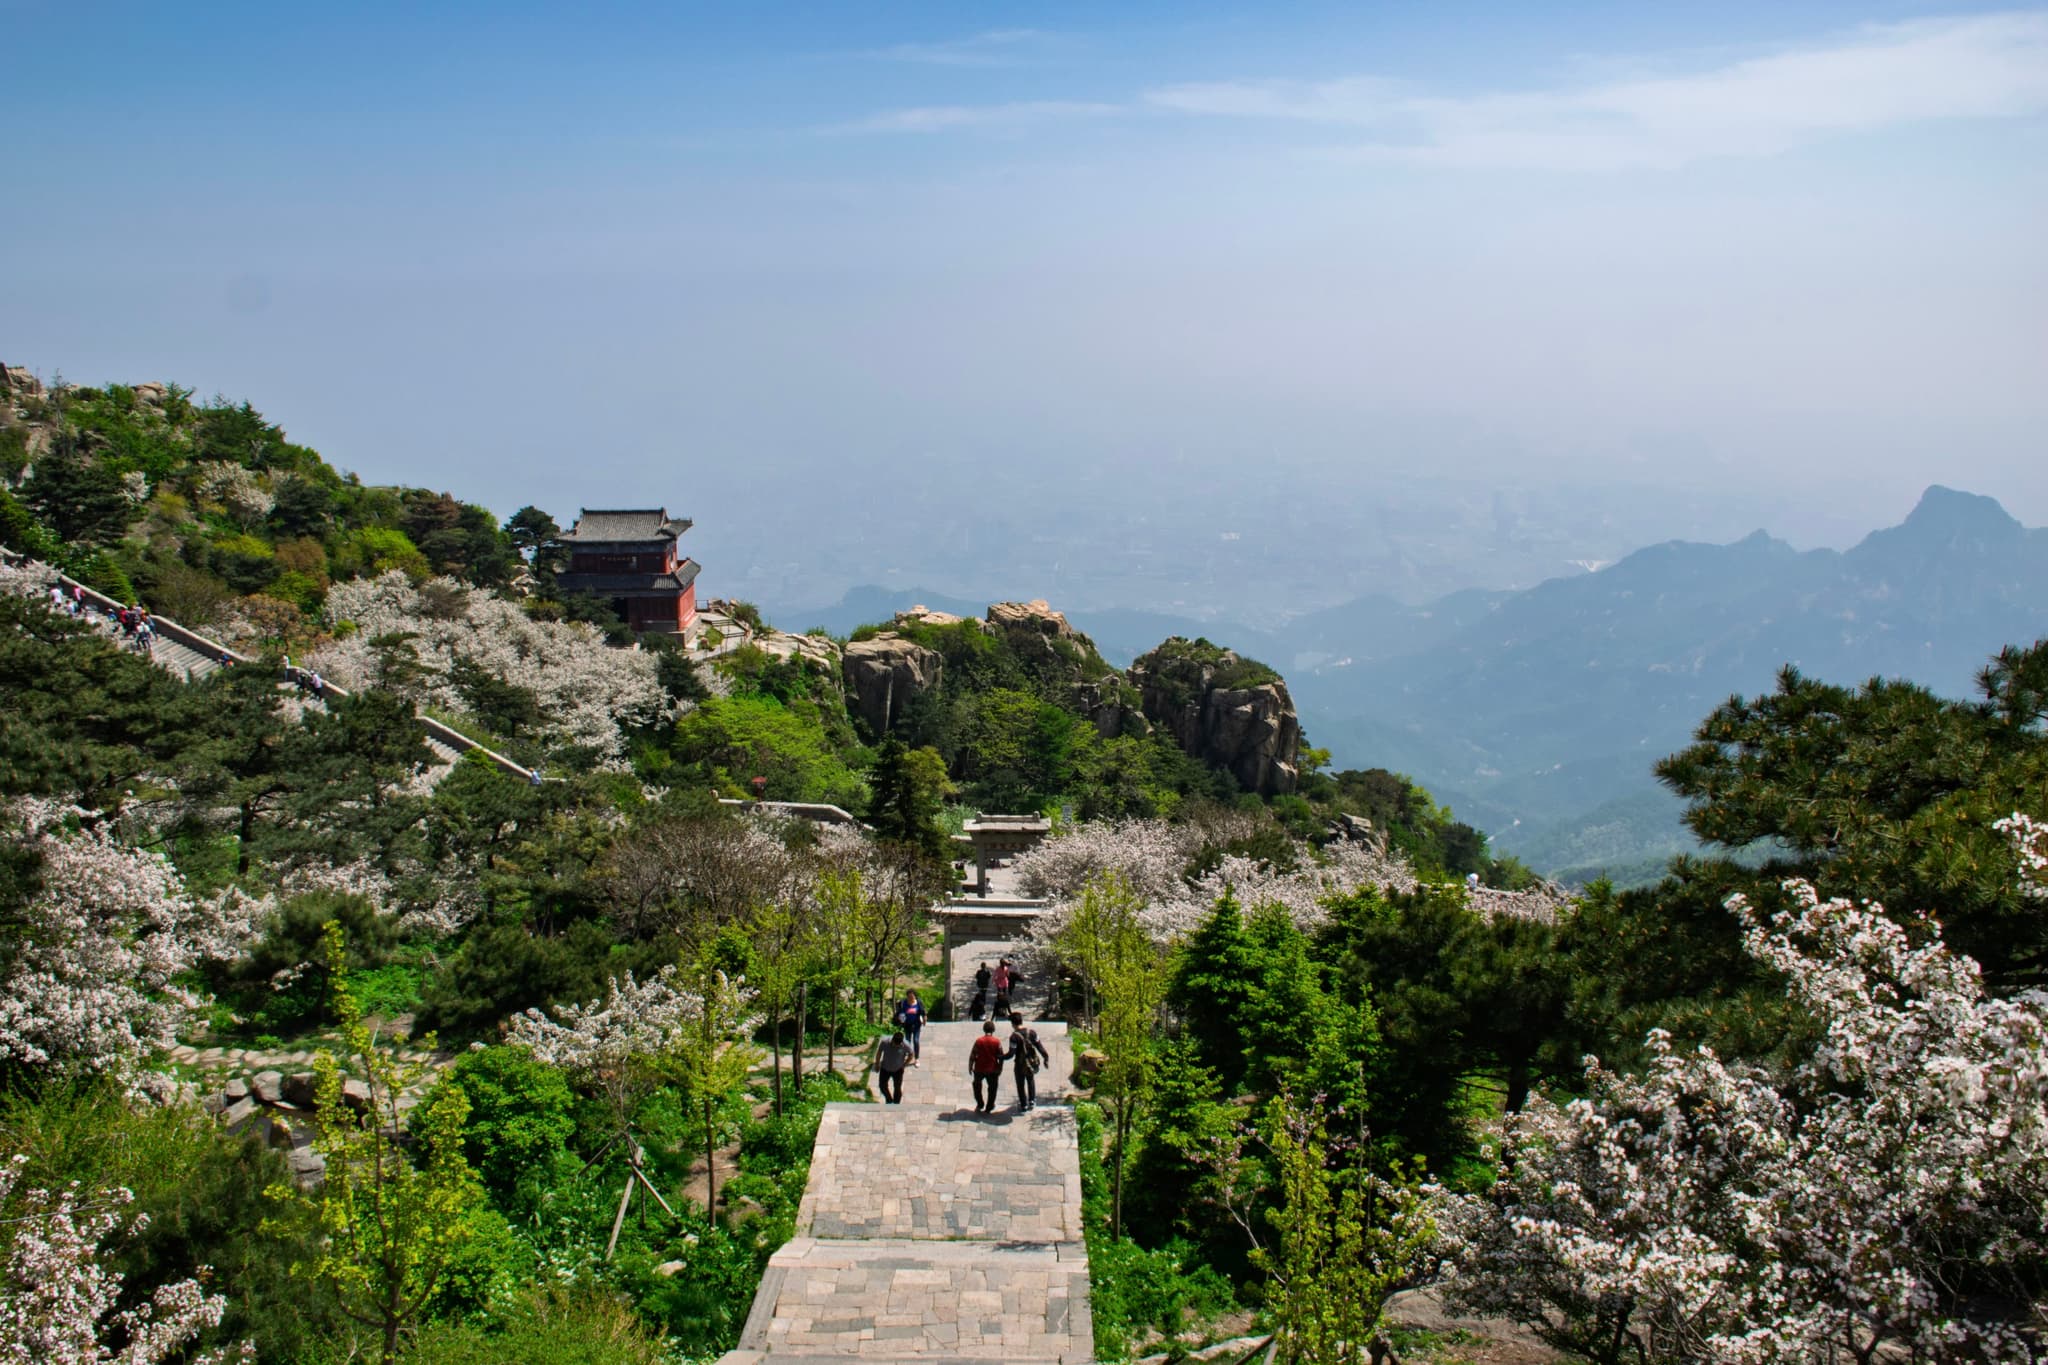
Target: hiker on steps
(1028, 1054)
(985, 1064)
(910, 1018)
(890, 1058)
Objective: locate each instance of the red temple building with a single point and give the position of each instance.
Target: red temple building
(629, 559)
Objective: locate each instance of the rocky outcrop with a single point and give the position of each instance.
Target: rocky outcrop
(1225, 710)
(1043, 640)
(19, 383)
(885, 673)
(922, 615)
(821, 650)
(1113, 706)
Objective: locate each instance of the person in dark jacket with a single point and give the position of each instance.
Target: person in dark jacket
(1026, 1054)
(890, 1059)
(910, 1017)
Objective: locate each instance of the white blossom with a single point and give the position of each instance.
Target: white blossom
(57, 1299)
(588, 692)
(234, 487)
(2030, 843)
(1716, 1211)
(360, 877)
(634, 1020)
(1153, 857)
(91, 981)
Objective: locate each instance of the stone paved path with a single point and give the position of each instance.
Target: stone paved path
(1030, 999)
(931, 1233)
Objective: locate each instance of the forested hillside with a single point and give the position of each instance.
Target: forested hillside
(310, 1046)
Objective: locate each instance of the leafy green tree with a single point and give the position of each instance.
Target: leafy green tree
(394, 1219)
(521, 1117)
(1344, 1240)
(84, 501)
(1886, 791)
(79, 717)
(538, 539)
(713, 1059)
(199, 1195)
(303, 507)
(908, 791)
(1116, 953)
(732, 740)
(1399, 950)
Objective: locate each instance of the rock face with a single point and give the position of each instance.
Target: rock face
(1113, 706)
(885, 674)
(14, 380)
(1224, 710)
(1039, 635)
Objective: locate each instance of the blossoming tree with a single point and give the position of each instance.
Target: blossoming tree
(586, 693)
(59, 1302)
(1884, 1199)
(90, 982)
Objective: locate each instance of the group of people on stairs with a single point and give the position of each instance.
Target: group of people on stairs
(904, 1049)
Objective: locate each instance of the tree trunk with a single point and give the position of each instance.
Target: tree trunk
(775, 1055)
(247, 832)
(1116, 1177)
(1518, 1084)
(796, 1047)
(832, 1031)
(710, 1163)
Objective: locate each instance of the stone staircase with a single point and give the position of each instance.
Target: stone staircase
(192, 656)
(929, 1232)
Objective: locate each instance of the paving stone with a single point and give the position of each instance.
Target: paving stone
(929, 1232)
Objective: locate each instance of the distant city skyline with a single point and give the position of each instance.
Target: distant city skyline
(791, 270)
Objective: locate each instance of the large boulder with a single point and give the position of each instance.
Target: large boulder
(1228, 711)
(885, 673)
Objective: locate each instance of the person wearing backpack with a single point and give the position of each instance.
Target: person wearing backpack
(985, 1064)
(1029, 1054)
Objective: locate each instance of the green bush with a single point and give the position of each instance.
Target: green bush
(200, 1190)
(581, 1324)
(521, 1116)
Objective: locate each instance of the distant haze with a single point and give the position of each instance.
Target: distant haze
(1190, 307)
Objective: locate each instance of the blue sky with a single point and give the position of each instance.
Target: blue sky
(715, 254)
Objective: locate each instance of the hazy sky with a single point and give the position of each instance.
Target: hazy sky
(742, 257)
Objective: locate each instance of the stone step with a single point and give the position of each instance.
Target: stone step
(896, 1171)
(1031, 998)
(941, 1079)
(888, 1299)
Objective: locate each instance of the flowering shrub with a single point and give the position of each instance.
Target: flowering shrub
(636, 1019)
(235, 488)
(586, 691)
(2030, 842)
(1708, 1210)
(90, 983)
(1152, 857)
(57, 1301)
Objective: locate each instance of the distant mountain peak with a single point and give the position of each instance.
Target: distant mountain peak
(1950, 512)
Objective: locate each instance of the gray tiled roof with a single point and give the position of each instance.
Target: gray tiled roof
(629, 524)
(601, 583)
